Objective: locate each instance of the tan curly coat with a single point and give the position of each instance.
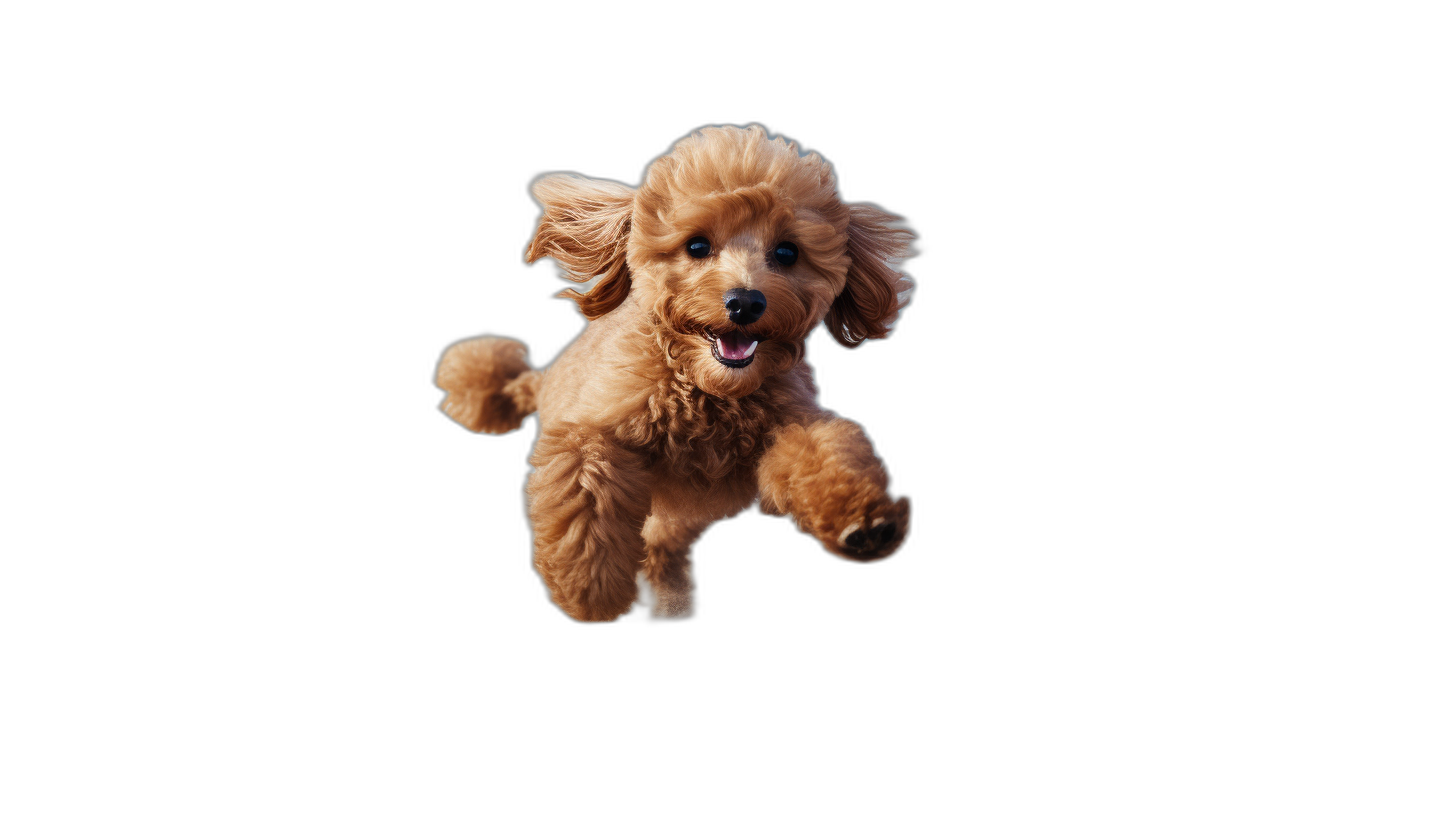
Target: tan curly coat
(647, 436)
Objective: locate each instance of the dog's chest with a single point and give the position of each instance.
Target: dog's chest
(700, 438)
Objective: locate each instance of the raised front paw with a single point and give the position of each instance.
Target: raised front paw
(876, 534)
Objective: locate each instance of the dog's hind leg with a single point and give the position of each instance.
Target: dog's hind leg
(588, 500)
(489, 387)
(667, 568)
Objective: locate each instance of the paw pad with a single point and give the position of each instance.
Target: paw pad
(875, 542)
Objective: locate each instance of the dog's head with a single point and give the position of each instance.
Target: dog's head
(739, 244)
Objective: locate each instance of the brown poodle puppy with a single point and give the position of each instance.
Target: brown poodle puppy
(687, 396)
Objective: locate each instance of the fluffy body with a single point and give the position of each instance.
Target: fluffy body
(647, 437)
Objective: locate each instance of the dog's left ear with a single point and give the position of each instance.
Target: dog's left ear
(584, 226)
(873, 292)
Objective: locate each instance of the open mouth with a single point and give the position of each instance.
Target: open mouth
(734, 349)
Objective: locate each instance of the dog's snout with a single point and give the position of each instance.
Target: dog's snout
(745, 305)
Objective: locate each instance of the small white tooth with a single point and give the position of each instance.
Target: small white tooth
(751, 347)
(722, 352)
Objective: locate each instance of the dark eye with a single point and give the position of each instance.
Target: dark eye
(699, 247)
(786, 253)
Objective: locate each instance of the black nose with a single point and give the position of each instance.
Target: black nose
(745, 305)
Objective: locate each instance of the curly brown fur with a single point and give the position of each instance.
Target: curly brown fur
(488, 383)
(588, 502)
(826, 475)
(649, 433)
(667, 565)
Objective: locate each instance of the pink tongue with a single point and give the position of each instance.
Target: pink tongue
(735, 346)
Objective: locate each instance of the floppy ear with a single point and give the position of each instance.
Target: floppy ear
(874, 289)
(584, 227)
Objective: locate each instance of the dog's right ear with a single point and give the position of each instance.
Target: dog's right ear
(584, 227)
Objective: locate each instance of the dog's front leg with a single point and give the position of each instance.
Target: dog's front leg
(825, 474)
(668, 570)
(588, 499)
